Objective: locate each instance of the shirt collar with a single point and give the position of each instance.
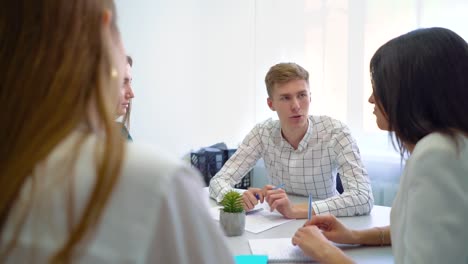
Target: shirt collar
(305, 140)
(302, 144)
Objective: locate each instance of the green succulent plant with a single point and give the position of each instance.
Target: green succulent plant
(232, 202)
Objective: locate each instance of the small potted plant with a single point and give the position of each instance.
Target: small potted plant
(232, 216)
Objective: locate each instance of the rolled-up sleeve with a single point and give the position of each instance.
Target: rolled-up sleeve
(243, 160)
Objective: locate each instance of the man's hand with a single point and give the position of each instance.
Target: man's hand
(278, 200)
(251, 197)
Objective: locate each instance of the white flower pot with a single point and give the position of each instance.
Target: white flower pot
(233, 224)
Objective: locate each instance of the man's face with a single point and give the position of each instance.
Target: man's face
(126, 92)
(291, 102)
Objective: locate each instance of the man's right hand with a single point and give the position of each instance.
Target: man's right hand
(251, 197)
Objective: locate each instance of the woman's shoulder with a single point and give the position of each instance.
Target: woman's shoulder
(142, 165)
(438, 150)
(440, 143)
(149, 161)
(149, 157)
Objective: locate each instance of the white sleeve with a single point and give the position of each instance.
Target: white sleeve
(357, 197)
(185, 233)
(245, 158)
(437, 209)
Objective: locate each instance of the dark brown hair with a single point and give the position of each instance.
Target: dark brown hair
(420, 81)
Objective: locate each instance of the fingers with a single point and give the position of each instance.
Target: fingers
(325, 223)
(250, 200)
(324, 227)
(278, 202)
(310, 230)
(252, 196)
(303, 233)
(274, 194)
(275, 198)
(318, 220)
(297, 238)
(248, 205)
(258, 193)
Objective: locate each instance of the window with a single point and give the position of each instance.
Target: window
(334, 41)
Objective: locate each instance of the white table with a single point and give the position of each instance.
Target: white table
(380, 216)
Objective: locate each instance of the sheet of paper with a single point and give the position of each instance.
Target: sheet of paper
(282, 250)
(259, 221)
(278, 250)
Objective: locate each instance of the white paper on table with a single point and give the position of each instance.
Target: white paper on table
(259, 221)
(278, 250)
(282, 250)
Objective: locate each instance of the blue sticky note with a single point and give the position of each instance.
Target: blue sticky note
(251, 259)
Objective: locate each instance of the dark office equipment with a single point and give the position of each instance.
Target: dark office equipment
(210, 160)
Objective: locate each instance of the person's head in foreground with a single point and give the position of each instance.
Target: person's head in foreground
(62, 67)
(420, 93)
(71, 189)
(419, 85)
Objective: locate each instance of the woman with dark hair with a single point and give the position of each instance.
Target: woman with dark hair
(71, 188)
(420, 93)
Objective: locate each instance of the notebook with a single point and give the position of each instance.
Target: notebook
(278, 250)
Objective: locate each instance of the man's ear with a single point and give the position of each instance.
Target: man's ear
(270, 104)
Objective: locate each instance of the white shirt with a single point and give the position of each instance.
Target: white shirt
(326, 149)
(428, 221)
(156, 214)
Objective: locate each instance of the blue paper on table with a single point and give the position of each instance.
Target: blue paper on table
(251, 259)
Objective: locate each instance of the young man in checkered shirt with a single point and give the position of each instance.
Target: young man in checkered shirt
(302, 153)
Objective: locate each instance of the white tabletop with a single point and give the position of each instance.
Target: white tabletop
(380, 216)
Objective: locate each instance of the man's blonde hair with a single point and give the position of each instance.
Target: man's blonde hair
(284, 72)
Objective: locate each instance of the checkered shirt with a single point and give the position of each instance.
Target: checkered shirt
(326, 149)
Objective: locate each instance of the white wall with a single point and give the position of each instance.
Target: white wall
(193, 72)
(199, 64)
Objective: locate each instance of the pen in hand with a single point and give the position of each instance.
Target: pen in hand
(258, 196)
(274, 188)
(309, 212)
(279, 186)
(254, 210)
